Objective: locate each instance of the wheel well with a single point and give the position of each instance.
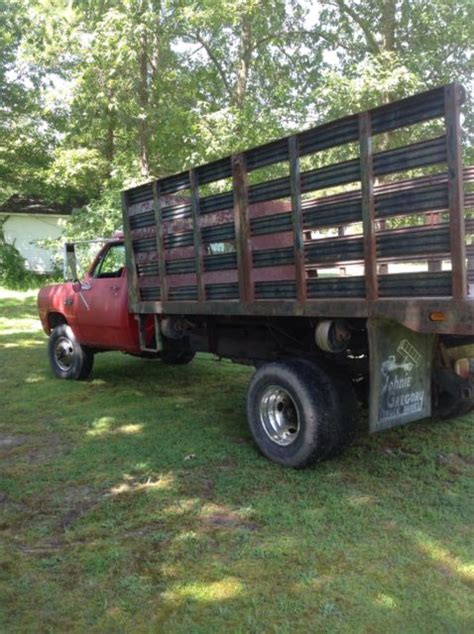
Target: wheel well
(55, 319)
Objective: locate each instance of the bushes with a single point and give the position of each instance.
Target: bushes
(13, 273)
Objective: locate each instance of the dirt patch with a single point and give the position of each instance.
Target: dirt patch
(31, 449)
(240, 440)
(42, 455)
(198, 486)
(77, 501)
(41, 549)
(78, 494)
(143, 531)
(229, 520)
(398, 451)
(227, 463)
(456, 464)
(66, 521)
(7, 442)
(9, 508)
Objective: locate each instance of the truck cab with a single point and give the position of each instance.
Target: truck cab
(92, 313)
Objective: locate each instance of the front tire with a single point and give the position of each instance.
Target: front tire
(68, 359)
(297, 413)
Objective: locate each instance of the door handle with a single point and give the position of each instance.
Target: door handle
(115, 289)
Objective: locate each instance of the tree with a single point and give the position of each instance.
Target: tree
(25, 141)
(388, 48)
(96, 95)
(253, 68)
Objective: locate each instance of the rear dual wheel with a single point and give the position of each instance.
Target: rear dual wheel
(300, 413)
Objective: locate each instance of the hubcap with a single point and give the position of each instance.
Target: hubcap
(64, 353)
(279, 416)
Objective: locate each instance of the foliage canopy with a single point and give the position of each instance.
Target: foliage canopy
(96, 96)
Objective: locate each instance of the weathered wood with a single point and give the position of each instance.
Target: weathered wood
(271, 261)
(242, 228)
(297, 219)
(160, 246)
(133, 297)
(414, 313)
(453, 99)
(198, 255)
(368, 206)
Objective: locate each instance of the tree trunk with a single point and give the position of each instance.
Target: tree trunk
(143, 102)
(109, 149)
(388, 25)
(243, 63)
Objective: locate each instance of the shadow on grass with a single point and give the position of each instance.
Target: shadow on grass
(23, 307)
(136, 500)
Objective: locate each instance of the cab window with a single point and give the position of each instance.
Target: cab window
(111, 263)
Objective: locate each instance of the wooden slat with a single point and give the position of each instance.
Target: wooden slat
(453, 98)
(133, 297)
(405, 112)
(368, 206)
(410, 156)
(174, 183)
(220, 262)
(139, 194)
(242, 228)
(160, 246)
(197, 235)
(297, 218)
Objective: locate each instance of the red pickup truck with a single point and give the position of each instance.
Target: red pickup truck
(92, 315)
(361, 290)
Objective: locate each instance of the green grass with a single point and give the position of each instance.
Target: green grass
(136, 502)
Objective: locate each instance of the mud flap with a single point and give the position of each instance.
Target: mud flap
(400, 374)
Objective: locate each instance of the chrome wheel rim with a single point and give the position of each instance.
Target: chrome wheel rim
(64, 353)
(279, 416)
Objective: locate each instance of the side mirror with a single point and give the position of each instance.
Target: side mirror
(78, 286)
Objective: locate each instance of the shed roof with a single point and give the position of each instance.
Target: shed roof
(31, 205)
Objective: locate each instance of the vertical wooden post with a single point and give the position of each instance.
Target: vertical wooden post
(242, 227)
(434, 266)
(133, 289)
(297, 218)
(368, 206)
(160, 243)
(453, 97)
(198, 256)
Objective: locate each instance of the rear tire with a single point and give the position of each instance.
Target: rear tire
(299, 413)
(68, 359)
(448, 395)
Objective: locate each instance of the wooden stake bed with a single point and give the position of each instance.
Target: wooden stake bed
(278, 248)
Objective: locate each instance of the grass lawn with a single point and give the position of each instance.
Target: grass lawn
(136, 502)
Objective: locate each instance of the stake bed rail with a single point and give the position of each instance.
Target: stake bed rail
(270, 249)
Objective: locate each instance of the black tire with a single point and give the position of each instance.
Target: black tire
(344, 405)
(68, 359)
(177, 357)
(448, 398)
(312, 399)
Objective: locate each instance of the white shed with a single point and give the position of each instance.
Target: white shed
(27, 221)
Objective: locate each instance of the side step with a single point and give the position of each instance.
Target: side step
(149, 338)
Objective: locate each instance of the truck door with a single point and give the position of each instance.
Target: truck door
(103, 319)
